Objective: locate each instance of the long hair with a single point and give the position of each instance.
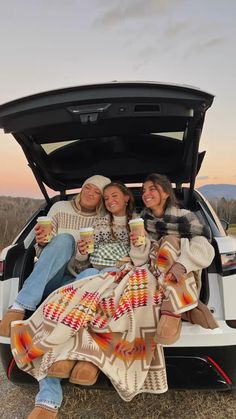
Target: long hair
(130, 208)
(163, 181)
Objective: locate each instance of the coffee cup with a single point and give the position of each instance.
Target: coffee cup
(87, 235)
(46, 224)
(137, 226)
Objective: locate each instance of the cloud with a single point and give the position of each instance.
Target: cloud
(132, 10)
(176, 29)
(214, 42)
(205, 46)
(157, 29)
(157, 43)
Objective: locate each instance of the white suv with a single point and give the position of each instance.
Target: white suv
(126, 131)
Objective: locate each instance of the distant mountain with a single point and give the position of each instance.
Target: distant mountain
(218, 191)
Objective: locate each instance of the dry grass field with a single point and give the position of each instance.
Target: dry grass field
(17, 402)
(14, 212)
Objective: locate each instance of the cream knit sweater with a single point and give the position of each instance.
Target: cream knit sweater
(67, 218)
(196, 253)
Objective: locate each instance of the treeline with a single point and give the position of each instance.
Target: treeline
(15, 212)
(225, 209)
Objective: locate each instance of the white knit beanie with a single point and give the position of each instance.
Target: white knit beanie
(99, 181)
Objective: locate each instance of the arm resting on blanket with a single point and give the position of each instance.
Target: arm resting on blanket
(196, 253)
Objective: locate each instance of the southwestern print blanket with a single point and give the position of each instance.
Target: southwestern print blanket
(108, 319)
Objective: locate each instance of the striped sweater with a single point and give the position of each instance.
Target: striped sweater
(67, 218)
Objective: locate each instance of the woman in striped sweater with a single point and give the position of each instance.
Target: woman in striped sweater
(52, 271)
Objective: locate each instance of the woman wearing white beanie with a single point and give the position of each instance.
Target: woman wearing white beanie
(97, 180)
(56, 266)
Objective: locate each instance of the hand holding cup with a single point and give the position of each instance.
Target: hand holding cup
(43, 230)
(137, 235)
(86, 242)
(82, 247)
(39, 235)
(134, 238)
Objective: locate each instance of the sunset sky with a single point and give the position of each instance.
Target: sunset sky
(60, 43)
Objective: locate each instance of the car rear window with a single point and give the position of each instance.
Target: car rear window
(51, 147)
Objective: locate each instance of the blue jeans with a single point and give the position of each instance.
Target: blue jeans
(50, 392)
(94, 271)
(49, 272)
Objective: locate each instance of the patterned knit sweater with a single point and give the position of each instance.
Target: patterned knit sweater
(67, 218)
(111, 242)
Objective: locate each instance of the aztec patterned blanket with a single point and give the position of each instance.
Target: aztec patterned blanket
(108, 319)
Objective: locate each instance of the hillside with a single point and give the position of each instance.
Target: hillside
(14, 212)
(214, 191)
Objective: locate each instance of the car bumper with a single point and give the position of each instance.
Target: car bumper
(201, 359)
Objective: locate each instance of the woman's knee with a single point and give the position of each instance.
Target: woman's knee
(64, 240)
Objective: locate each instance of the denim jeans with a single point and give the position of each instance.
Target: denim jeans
(94, 271)
(50, 392)
(49, 272)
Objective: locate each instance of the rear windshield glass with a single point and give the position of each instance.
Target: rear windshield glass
(176, 135)
(51, 147)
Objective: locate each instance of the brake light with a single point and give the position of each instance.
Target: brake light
(228, 261)
(10, 368)
(219, 369)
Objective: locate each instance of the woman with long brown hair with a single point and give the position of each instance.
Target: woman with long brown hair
(180, 250)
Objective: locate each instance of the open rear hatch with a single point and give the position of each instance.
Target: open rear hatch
(121, 130)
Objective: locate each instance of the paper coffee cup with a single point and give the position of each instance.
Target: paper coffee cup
(87, 235)
(137, 226)
(46, 223)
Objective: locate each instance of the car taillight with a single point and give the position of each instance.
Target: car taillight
(228, 262)
(220, 370)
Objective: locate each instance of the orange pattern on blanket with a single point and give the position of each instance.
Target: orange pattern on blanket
(180, 289)
(24, 345)
(163, 259)
(107, 305)
(187, 299)
(84, 313)
(135, 294)
(54, 310)
(158, 296)
(129, 351)
(103, 340)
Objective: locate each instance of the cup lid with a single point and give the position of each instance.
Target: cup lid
(86, 229)
(136, 220)
(44, 218)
